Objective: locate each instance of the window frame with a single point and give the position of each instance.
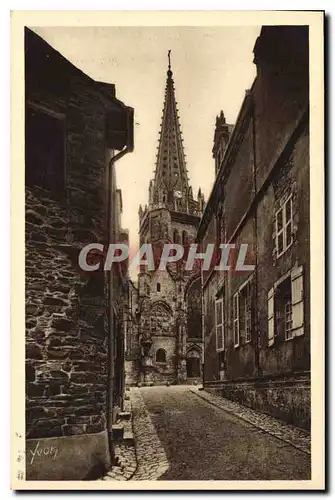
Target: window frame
(285, 223)
(217, 325)
(280, 334)
(288, 332)
(236, 313)
(236, 319)
(297, 325)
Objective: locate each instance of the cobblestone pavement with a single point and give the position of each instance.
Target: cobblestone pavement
(295, 436)
(151, 458)
(125, 455)
(197, 440)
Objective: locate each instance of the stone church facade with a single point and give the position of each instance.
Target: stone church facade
(167, 312)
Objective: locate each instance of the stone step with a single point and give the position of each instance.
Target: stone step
(127, 405)
(118, 431)
(124, 415)
(128, 438)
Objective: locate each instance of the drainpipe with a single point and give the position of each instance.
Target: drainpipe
(111, 339)
(202, 328)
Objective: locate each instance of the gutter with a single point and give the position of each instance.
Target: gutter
(111, 297)
(119, 136)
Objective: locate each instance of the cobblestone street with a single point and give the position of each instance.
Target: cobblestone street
(182, 434)
(167, 253)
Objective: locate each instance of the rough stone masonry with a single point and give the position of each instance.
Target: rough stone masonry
(67, 330)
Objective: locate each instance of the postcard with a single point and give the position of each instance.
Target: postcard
(167, 250)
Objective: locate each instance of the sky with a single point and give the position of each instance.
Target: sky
(212, 68)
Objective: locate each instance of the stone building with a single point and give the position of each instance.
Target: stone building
(74, 323)
(257, 323)
(132, 347)
(167, 327)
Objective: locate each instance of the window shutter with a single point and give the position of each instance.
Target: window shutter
(297, 287)
(236, 320)
(271, 319)
(219, 324)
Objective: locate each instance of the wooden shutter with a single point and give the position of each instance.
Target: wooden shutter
(297, 287)
(219, 324)
(271, 317)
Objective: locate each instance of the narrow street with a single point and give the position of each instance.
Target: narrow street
(167, 256)
(198, 441)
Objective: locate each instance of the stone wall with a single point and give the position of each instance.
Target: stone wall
(66, 338)
(67, 309)
(131, 371)
(287, 398)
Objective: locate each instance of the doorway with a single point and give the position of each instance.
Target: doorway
(193, 364)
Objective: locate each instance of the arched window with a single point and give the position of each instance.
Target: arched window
(160, 356)
(158, 287)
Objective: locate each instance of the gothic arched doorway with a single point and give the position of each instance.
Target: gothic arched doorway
(193, 364)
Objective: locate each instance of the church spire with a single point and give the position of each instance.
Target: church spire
(170, 186)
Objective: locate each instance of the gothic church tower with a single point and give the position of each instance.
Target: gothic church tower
(169, 310)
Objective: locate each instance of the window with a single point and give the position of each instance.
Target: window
(284, 224)
(219, 324)
(288, 318)
(160, 356)
(45, 151)
(286, 308)
(243, 313)
(283, 310)
(158, 287)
